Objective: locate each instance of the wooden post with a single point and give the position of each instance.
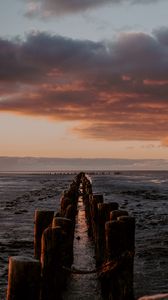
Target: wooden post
(94, 200)
(64, 223)
(86, 186)
(88, 213)
(117, 213)
(120, 244)
(86, 195)
(71, 212)
(43, 219)
(65, 201)
(68, 229)
(104, 210)
(103, 216)
(23, 278)
(53, 240)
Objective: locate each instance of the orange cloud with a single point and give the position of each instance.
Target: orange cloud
(165, 142)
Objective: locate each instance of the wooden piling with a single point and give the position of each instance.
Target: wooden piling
(88, 213)
(64, 223)
(43, 219)
(86, 186)
(103, 216)
(127, 224)
(120, 244)
(94, 200)
(68, 229)
(117, 213)
(104, 210)
(71, 212)
(65, 201)
(53, 240)
(23, 278)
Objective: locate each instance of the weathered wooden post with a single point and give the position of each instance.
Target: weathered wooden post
(86, 186)
(43, 219)
(88, 213)
(65, 202)
(117, 283)
(103, 216)
(117, 213)
(71, 212)
(95, 199)
(68, 229)
(70, 197)
(127, 224)
(53, 240)
(87, 195)
(24, 278)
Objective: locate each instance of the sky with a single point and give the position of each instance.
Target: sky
(84, 78)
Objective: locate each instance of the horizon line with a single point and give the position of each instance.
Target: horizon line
(81, 158)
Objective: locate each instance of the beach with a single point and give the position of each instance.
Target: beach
(144, 194)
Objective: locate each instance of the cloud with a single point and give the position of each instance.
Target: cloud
(165, 142)
(116, 90)
(48, 8)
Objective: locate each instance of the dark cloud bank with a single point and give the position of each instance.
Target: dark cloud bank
(118, 90)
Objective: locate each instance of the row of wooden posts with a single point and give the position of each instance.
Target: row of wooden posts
(113, 233)
(112, 230)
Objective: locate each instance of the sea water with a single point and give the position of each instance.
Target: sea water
(143, 194)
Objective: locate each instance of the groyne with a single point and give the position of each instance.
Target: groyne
(112, 231)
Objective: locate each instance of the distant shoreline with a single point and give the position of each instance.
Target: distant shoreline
(47, 165)
(69, 172)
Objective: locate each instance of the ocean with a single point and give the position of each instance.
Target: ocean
(144, 194)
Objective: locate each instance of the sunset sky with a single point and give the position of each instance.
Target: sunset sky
(84, 78)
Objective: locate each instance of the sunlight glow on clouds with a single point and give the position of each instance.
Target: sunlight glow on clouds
(36, 136)
(111, 87)
(85, 78)
(165, 142)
